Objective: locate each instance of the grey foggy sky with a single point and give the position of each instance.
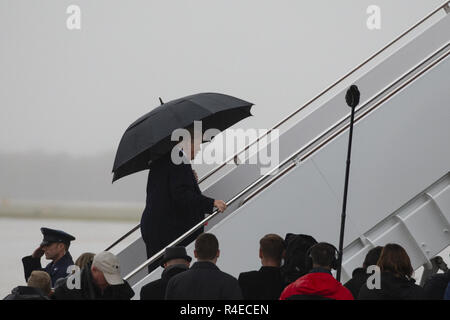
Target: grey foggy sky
(77, 91)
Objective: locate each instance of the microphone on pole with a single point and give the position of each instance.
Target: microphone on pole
(352, 98)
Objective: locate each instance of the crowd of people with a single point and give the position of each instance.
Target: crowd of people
(297, 268)
(91, 277)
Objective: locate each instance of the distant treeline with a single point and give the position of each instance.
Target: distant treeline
(42, 176)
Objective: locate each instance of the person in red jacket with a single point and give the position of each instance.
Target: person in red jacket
(319, 283)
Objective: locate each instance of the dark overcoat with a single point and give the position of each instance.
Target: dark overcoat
(359, 278)
(203, 281)
(393, 288)
(436, 285)
(265, 284)
(26, 293)
(156, 290)
(174, 204)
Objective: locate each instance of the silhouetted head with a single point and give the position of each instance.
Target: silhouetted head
(323, 255)
(395, 259)
(192, 146)
(271, 250)
(84, 259)
(372, 257)
(40, 280)
(207, 248)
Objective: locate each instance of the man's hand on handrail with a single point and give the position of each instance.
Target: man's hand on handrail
(220, 205)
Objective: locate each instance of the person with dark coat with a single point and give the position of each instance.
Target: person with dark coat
(55, 246)
(436, 285)
(319, 283)
(174, 201)
(396, 282)
(360, 275)
(175, 261)
(204, 280)
(83, 260)
(26, 293)
(447, 292)
(266, 283)
(38, 288)
(99, 280)
(393, 288)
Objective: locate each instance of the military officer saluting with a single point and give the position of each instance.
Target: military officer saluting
(55, 246)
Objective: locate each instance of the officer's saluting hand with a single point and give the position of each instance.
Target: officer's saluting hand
(38, 253)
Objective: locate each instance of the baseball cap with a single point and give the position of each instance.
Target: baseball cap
(108, 263)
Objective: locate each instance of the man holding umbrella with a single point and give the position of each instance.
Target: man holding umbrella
(174, 202)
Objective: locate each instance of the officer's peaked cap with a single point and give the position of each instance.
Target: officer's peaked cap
(52, 235)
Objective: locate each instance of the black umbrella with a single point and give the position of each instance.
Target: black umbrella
(149, 137)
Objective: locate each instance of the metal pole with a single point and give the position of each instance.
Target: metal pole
(352, 98)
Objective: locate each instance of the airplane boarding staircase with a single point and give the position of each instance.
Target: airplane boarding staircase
(399, 188)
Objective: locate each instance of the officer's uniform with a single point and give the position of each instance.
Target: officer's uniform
(55, 270)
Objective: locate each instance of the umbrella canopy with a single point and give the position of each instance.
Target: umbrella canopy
(149, 137)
